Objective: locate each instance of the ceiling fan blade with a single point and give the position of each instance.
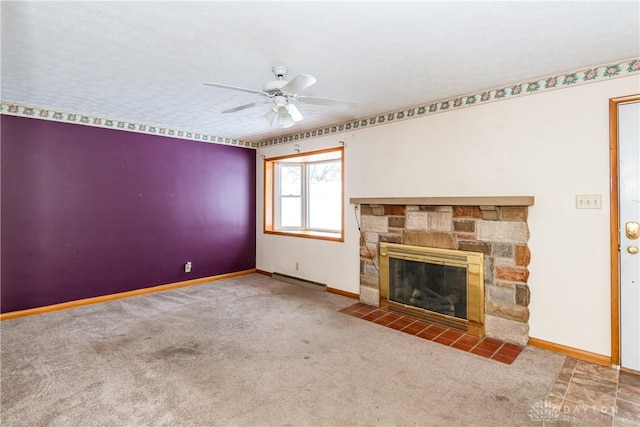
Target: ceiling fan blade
(325, 101)
(236, 88)
(298, 84)
(245, 106)
(294, 112)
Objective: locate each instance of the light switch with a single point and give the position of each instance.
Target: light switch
(589, 201)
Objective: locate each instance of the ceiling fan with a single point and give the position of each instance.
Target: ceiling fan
(282, 94)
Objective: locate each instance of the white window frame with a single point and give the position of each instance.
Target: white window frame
(273, 196)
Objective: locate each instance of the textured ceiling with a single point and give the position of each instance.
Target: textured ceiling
(146, 62)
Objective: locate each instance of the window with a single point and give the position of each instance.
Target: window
(304, 195)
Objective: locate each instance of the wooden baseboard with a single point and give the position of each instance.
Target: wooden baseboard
(343, 293)
(266, 273)
(111, 297)
(576, 353)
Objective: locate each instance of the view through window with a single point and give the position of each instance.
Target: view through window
(304, 194)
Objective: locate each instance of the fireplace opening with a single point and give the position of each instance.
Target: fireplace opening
(440, 285)
(433, 287)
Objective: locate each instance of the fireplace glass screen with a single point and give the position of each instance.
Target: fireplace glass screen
(434, 287)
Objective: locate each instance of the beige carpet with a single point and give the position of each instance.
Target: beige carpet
(250, 351)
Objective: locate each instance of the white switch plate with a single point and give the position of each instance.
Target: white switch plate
(589, 201)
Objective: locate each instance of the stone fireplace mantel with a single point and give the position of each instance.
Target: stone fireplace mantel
(494, 226)
(446, 201)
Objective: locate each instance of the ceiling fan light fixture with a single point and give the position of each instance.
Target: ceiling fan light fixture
(283, 94)
(271, 115)
(284, 118)
(279, 116)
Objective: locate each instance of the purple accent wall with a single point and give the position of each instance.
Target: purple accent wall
(89, 211)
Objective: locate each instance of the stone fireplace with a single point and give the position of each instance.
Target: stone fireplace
(496, 227)
(441, 285)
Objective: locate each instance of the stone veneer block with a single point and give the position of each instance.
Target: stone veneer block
(429, 221)
(465, 236)
(396, 222)
(371, 270)
(394, 210)
(377, 224)
(467, 212)
(517, 313)
(391, 238)
(523, 295)
(489, 213)
(514, 213)
(429, 238)
(366, 210)
(513, 274)
(377, 210)
(474, 246)
(488, 271)
(502, 292)
(371, 282)
(503, 231)
(502, 250)
(508, 261)
(368, 252)
(523, 255)
(506, 330)
(372, 238)
(370, 296)
(464, 225)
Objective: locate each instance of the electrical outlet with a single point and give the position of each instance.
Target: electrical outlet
(297, 266)
(588, 201)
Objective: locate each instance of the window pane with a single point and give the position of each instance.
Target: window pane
(290, 180)
(291, 212)
(325, 196)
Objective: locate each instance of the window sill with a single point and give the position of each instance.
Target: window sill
(333, 237)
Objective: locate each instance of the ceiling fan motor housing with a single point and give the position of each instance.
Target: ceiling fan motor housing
(280, 71)
(274, 86)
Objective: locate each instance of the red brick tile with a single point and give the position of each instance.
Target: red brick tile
(462, 346)
(386, 319)
(488, 345)
(375, 314)
(394, 316)
(467, 339)
(363, 311)
(348, 310)
(493, 341)
(502, 358)
(431, 332)
(443, 340)
(415, 327)
(401, 323)
(508, 352)
(482, 352)
(512, 347)
(451, 334)
(437, 328)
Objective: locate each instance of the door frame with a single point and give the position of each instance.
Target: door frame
(614, 201)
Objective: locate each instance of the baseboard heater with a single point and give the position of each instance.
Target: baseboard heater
(298, 281)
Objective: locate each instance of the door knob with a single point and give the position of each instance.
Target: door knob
(632, 230)
(632, 249)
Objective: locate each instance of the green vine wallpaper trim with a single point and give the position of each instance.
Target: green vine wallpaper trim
(15, 109)
(589, 75)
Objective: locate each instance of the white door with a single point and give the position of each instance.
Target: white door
(629, 209)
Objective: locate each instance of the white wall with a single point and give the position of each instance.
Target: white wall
(551, 145)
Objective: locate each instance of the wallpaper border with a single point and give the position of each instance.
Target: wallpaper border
(554, 82)
(560, 81)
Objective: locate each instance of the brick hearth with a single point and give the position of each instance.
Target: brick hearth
(500, 232)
